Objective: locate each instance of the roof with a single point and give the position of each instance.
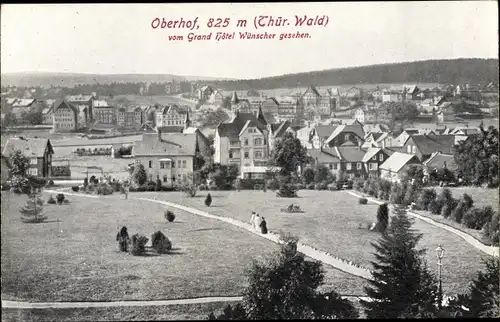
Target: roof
(63, 103)
(23, 102)
(466, 130)
(313, 89)
(234, 128)
(428, 144)
(373, 151)
(173, 107)
(439, 160)
(101, 103)
(79, 98)
(280, 130)
(397, 161)
(324, 155)
(171, 144)
(172, 128)
(324, 130)
(28, 146)
(47, 110)
(354, 128)
(351, 153)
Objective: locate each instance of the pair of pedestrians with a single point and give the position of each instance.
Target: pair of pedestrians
(258, 223)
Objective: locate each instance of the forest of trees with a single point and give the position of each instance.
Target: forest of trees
(453, 71)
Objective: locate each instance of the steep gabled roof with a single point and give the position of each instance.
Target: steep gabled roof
(354, 128)
(428, 144)
(171, 144)
(234, 128)
(61, 103)
(397, 161)
(324, 155)
(23, 102)
(373, 151)
(29, 147)
(324, 130)
(439, 160)
(351, 153)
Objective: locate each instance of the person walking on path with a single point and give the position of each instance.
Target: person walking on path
(252, 219)
(263, 226)
(258, 220)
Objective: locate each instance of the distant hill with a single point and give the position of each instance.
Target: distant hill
(452, 71)
(45, 79)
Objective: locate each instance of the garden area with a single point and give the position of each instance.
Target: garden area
(335, 222)
(73, 255)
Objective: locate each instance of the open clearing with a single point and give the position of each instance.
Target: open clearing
(331, 223)
(74, 256)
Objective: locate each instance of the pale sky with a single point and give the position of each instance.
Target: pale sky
(119, 39)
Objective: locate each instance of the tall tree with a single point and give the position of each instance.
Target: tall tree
(483, 298)
(288, 153)
(477, 157)
(285, 287)
(402, 286)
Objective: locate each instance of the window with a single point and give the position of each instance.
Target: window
(374, 158)
(33, 161)
(258, 155)
(246, 155)
(230, 155)
(335, 166)
(348, 166)
(246, 141)
(372, 166)
(331, 166)
(173, 164)
(150, 177)
(150, 164)
(346, 137)
(414, 149)
(179, 176)
(184, 177)
(33, 171)
(381, 157)
(359, 166)
(257, 141)
(408, 149)
(162, 165)
(179, 164)
(184, 163)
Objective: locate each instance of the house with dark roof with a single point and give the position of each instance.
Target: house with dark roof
(84, 103)
(322, 101)
(374, 158)
(423, 146)
(244, 141)
(352, 133)
(170, 157)
(437, 161)
(38, 151)
(65, 116)
(396, 165)
(330, 158)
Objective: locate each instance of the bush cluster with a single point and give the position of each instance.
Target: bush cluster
(379, 188)
(363, 201)
(169, 215)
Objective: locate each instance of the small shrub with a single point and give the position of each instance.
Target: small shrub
(332, 186)
(75, 188)
(425, 198)
(105, 189)
(202, 187)
(138, 244)
(363, 201)
(320, 186)
(273, 184)
(208, 200)
(65, 201)
(60, 198)
(123, 239)
(51, 201)
(212, 186)
(160, 243)
(382, 218)
(50, 183)
(300, 186)
(477, 218)
(169, 215)
(190, 189)
(311, 186)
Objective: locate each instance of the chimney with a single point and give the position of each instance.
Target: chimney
(159, 134)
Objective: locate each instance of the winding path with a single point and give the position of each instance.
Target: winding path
(490, 250)
(73, 305)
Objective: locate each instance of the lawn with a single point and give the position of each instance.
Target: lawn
(127, 313)
(331, 223)
(74, 256)
(481, 196)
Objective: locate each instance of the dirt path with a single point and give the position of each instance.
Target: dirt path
(490, 250)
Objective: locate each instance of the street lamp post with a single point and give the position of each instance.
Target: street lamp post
(440, 255)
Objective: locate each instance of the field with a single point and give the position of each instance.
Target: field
(482, 197)
(331, 223)
(74, 257)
